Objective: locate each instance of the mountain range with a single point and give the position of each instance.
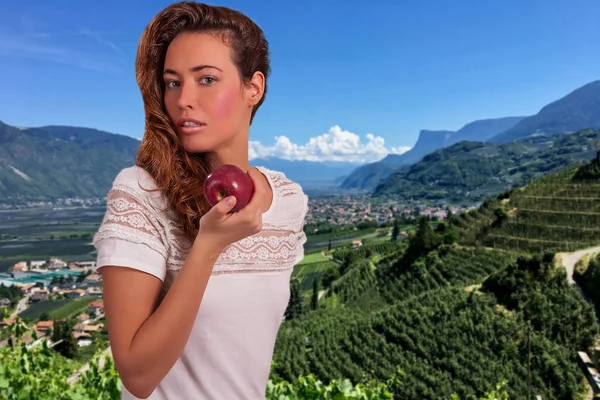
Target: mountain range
(468, 172)
(369, 175)
(49, 162)
(579, 109)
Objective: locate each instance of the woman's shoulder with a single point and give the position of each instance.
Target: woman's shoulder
(135, 177)
(281, 183)
(137, 182)
(290, 201)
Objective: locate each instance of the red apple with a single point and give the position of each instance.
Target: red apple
(228, 180)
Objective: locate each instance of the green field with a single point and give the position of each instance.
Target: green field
(73, 307)
(39, 234)
(58, 309)
(35, 310)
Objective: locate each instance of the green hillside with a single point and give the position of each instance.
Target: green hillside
(428, 318)
(468, 172)
(57, 162)
(559, 212)
(587, 274)
(463, 304)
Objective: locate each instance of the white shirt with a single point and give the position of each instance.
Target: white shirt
(229, 351)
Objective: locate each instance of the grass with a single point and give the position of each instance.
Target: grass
(35, 310)
(313, 258)
(72, 308)
(57, 309)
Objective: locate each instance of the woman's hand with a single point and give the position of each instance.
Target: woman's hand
(221, 228)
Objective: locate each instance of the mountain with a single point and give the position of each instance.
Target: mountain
(309, 173)
(577, 110)
(52, 162)
(467, 172)
(60, 161)
(369, 175)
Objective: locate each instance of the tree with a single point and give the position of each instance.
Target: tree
(294, 308)
(45, 316)
(314, 301)
(395, 230)
(63, 332)
(422, 241)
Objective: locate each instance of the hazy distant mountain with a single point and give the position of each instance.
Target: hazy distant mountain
(59, 161)
(52, 162)
(579, 109)
(309, 173)
(368, 176)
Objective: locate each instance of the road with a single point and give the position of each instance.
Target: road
(21, 306)
(569, 260)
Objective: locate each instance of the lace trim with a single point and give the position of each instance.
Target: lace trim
(282, 185)
(256, 253)
(127, 217)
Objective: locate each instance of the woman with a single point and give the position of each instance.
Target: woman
(193, 295)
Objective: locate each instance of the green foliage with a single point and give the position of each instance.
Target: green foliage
(541, 292)
(447, 339)
(589, 278)
(66, 344)
(589, 172)
(553, 213)
(40, 373)
(295, 305)
(12, 293)
(310, 388)
(314, 300)
(472, 171)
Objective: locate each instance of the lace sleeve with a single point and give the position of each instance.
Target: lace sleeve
(131, 235)
(301, 234)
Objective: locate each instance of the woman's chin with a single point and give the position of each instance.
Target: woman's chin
(192, 146)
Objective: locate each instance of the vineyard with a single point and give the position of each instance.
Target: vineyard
(558, 212)
(447, 337)
(39, 373)
(487, 317)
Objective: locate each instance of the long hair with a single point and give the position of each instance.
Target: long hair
(179, 174)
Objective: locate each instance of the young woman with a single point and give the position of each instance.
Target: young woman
(193, 295)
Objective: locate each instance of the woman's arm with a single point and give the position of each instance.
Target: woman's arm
(146, 338)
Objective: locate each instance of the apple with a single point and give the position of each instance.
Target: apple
(228, 180)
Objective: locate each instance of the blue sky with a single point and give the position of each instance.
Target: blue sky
(342, 70)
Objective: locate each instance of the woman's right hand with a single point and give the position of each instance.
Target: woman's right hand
(220, 228)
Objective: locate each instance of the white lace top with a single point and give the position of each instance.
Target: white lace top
(229, 352)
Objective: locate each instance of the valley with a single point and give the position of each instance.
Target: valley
(465, 268)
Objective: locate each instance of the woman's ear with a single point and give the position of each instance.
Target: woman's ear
(256, 88)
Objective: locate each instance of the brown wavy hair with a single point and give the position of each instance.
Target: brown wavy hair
(178, 173)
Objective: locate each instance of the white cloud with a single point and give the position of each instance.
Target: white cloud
(335, 145)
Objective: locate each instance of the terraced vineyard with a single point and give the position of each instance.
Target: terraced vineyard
(559, 212)
(433, 319)
(364, 286)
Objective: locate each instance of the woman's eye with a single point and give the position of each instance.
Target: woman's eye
(172, 83)
(210, 79)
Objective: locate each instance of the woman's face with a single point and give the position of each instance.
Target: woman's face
(204, 96)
